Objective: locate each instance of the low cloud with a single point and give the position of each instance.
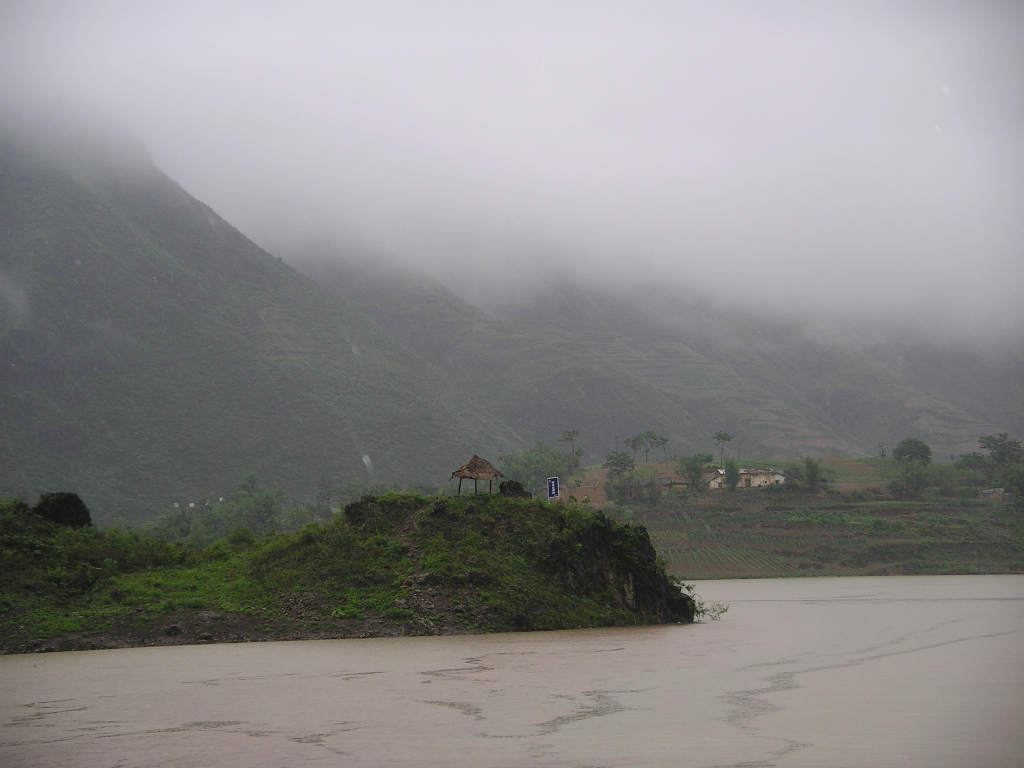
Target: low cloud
(860, 160)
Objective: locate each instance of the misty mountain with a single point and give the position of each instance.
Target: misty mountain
(151, 354)
(613, 364)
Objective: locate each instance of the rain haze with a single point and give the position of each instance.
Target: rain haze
(848, 159)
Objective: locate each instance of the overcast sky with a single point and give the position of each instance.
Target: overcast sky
(862, 158)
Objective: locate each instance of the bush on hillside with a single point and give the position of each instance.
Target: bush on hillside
(63, 508)
(912, 449)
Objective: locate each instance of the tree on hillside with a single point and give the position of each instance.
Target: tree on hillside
(618, 463)
(812, 474)
(999, 467)
(807, 475)
(976, 468)
(912, 480)
(250, 509)
(1014, 481)
(945, 478)
(649, 438)
(252, 506)
(324, 496)
(636, 442)
(569, 436)
(691, 469)
(533, 467)
(912, 449)
(721, 438)
(732, 474)
(63, 508)
(1001, 449)
(657, 441)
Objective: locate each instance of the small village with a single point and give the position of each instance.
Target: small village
(589, 485)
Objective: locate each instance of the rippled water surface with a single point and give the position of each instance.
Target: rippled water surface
(896, 671)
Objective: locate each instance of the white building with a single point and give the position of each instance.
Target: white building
(749, 478)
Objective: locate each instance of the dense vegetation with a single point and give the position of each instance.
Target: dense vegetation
(392, 564)
(532, 467)
(251, 567)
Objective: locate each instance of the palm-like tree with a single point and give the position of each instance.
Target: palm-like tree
(569, 436)
(636, 442)
(657, 441)
(721, 438)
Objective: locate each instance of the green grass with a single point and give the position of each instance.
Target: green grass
(481, 563)
(767, 533)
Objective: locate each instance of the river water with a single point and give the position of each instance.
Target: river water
(889, 671)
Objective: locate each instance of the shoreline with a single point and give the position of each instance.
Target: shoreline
(212, 627)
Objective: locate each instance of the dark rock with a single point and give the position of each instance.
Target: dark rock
(594, 555)
(63, 508)
(172, 630)
(514, 489)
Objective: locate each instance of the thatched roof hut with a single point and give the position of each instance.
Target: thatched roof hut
(476, 469)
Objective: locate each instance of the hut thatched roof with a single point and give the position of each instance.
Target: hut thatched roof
(477, 469)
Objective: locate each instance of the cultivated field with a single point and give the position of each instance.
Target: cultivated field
(854, 527)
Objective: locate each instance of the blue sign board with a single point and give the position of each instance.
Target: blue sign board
(552, 487)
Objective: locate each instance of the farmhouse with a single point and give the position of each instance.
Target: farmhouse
(749, 478)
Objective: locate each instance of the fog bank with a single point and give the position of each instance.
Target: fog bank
(855, 160)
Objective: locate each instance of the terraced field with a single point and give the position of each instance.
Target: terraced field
(854, 528)
(753, 535)
(717, 562)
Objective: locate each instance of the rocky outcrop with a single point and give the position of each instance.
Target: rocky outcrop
(592, 552)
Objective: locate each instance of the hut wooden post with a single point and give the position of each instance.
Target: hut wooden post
(478, 469)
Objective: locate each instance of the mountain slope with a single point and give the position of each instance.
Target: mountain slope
(150, 354)
(612, 366)
(782, 391)
(540, 381)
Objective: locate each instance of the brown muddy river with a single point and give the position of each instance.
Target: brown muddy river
(874, 672)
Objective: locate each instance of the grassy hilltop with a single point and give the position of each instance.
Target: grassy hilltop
(398, 564)
(407, 564)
